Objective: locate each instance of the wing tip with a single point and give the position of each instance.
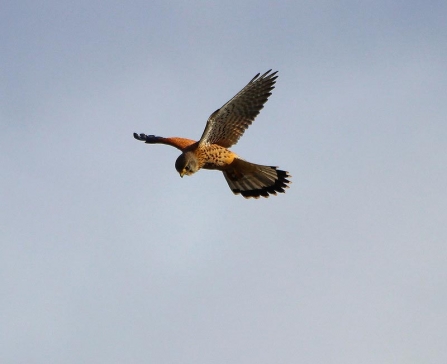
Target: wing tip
(267, 75)
(149, 139)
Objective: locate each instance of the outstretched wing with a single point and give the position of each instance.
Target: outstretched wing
(226, 125)
(179, 143)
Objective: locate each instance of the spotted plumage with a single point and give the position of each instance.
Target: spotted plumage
(223, 129)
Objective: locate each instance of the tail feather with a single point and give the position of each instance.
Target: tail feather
(254, 180)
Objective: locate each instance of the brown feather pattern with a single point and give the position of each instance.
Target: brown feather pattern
(226, 125)
(223, 129)
(254, 180)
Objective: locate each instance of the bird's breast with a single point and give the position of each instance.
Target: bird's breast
(215, 157)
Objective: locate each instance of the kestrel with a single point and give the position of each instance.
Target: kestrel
(223, 129)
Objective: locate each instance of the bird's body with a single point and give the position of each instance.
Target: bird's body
(214, 157)
(224, 128)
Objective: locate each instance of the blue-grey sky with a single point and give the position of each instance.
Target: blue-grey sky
(107, 256)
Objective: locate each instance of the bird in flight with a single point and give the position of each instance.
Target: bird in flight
(223, 129)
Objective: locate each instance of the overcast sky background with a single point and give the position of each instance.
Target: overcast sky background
(107, 256)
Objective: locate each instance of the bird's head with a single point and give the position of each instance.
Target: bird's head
(186, 164)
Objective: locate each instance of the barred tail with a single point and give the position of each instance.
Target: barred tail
(254, 180)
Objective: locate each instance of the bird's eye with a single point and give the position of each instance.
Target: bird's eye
(187, 168)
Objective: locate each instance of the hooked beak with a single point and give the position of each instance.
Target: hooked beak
(182, 173)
